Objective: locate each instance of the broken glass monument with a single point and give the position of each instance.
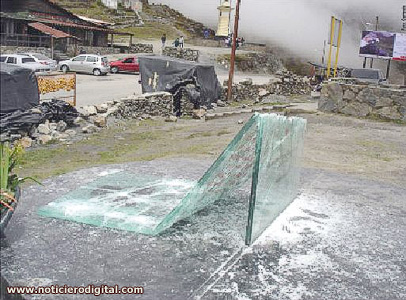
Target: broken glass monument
(265, 154)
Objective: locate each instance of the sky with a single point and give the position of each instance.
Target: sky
(301, 25)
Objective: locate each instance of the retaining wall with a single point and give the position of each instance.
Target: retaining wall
(358, 100)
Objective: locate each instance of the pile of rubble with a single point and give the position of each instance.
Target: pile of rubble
(182, 53)
(87, 120)
(285, 83)
(262, 63)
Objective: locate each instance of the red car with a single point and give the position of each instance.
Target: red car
(128, 64)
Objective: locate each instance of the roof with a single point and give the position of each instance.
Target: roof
(49, 30)
(98, 22)
(15, 55)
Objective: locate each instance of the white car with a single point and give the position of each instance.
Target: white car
(86, 63)
(25, 62)
(42, 59)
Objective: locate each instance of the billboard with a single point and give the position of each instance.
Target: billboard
(383, 44)
(399, 48)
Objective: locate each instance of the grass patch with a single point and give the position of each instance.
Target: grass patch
(153, 31)
(200, 134)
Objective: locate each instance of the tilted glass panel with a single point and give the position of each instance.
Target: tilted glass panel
(123, 201)
(278, 173)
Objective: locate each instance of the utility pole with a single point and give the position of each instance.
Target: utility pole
(376, 29)
(233, 50)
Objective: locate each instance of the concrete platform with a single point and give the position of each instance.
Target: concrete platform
(343, 238)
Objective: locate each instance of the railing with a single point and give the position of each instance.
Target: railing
(24, 40)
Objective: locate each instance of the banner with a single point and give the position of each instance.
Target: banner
(377, 44)
(383, 44)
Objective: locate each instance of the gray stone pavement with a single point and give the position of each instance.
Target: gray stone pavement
(342, 238)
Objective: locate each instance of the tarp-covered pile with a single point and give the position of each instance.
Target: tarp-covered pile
(159, 73)
(19, 88)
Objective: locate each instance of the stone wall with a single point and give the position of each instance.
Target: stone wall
(285, 83)
(182, 53)
(141, 48)
(132, 107)
(364, 100)
(14, 49)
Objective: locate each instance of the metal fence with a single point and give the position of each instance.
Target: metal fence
(24, 40)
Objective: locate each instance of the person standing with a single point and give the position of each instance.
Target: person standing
(181, 41)
(163, 40)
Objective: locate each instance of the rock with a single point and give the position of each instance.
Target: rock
(246, 81)
(263, 93)
(52, 126)
(82, 112)
(171, 119)
(62, 136)
(356, 109)
(383, 102)
(79, 121)
(44, 139)
(100, 121)
(240, 121)
(89, 129)
(44, 129)
(35, 111)
(389, 113)
(102, 108)
(70, 132)
(214, 105)
(4, 137)
(61, 126)
(221, 103)
(91, 110)
(199, 113)
(14, 137)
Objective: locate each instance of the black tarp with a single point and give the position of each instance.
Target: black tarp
(19, 88)
(166, 74)
(23, 121)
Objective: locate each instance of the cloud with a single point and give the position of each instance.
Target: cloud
(301, 25)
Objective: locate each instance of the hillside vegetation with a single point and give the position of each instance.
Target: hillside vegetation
(150, 24)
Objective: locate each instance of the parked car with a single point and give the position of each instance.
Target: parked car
(86, 63)
(42, 59)
(24, 61)
(368, 75)
(128, 64)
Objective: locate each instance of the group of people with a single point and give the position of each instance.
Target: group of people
(228, 41)
(179, 42)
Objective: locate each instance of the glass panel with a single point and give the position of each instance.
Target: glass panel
(262, 159)
(123, 201)
(79, 58)
(92, 59)
(229, 173)
(276, 180)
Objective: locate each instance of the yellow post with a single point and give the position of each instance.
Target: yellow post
(333, 23)
(338, 47)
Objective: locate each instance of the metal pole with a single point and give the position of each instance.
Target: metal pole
(388, 70)
(52, 47)
(323, 59)
(333, 21)
(340, 31)
(365, 63)
(233, 50)
(376, 29)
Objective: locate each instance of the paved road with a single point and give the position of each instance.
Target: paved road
(99, 89)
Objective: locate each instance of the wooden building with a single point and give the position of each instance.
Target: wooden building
(20, 19)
